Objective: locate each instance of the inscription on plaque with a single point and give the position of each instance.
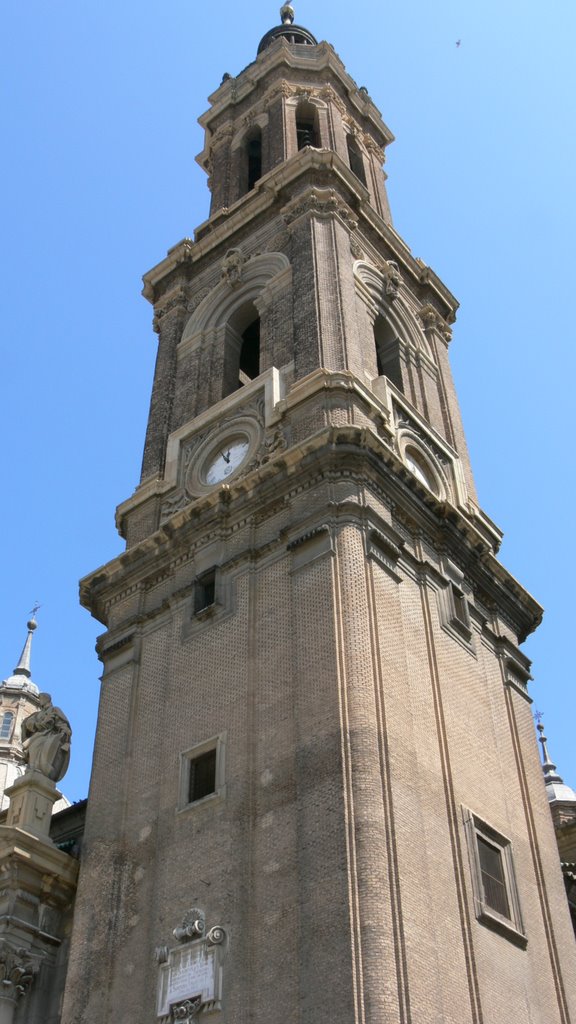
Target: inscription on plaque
(189, 972)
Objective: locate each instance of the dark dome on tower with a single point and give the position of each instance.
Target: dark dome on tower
(288, 30)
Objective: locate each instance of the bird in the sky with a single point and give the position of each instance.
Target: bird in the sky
(458, 41)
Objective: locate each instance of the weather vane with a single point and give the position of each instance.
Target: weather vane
(35, 609)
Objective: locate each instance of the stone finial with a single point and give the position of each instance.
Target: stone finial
(287, 14)
(46, 738)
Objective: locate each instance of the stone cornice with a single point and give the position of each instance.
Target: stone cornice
(222, 226)
(349, 450)
(47, 872)
(235, 90)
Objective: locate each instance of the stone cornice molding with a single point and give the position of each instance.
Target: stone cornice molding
(352, 451)
(18, 847)
(333, 453)
(222, 226)
(236, 90)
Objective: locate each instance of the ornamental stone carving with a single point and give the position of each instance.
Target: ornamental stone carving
(322, 202)
(176, 300)
(232, 267)
(190, 974)
(193, 925)
(392, 279)
(274, 443)
(431, 320)
(187, 1010)
(17, 970)
(223, 134)
(197, 299)
(46, 738)
(328, 95)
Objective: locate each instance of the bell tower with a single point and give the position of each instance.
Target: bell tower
(316, 791)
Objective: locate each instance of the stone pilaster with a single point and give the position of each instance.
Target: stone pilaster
(170, 319)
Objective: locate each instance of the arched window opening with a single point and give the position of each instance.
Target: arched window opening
(387, 346)
(6, 725)
(254, 157)
(307, 132)
(242, 348)
(419, 468)
(355, 159)
(249, 363)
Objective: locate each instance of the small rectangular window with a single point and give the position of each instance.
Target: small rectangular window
(205, 591)
(459, 606)
(202, 772)
(493, 878)
(202, 776)
(454, 607)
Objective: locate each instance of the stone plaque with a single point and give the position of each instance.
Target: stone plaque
(189, 972)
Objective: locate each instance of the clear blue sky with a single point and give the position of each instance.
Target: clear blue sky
(100, 134)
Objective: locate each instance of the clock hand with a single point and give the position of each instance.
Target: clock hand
(226, 457)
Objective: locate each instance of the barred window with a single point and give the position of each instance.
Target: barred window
(493, 879)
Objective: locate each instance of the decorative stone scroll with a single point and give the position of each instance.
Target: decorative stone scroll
(190, 974)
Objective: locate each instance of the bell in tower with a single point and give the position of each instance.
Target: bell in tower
(316, 793)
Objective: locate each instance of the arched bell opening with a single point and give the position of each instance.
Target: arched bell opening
(241, 348)
(253, 157)
(387, 344)
(355, 159)
(307, 129)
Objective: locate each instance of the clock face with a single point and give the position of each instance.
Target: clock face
(227, 458)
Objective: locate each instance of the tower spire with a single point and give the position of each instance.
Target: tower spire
(23, 666)
(548, 766)
(21, 678)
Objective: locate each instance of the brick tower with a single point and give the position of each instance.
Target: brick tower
(316, 792)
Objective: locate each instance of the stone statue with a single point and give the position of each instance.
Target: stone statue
(46, 740)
